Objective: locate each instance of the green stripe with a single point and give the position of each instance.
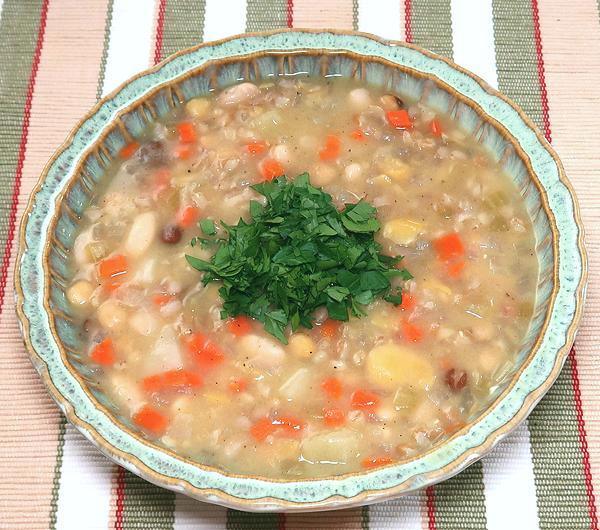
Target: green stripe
(432, 25)
(516, 60)
(18, 37)
(146, 505)
(355, 15)
(57, 471)
(183, 25)
(365, 518)
(557, 459)
(460, 501)
(107, 28)
(237, 520)
(266, 14)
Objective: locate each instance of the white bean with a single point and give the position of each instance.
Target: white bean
(359, 99)
(237, 94)
(352, 172)
(141, 234)
(282, 153)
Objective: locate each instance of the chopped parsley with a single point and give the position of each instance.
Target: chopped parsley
(299, 253)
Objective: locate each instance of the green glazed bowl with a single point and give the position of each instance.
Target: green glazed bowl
(70, 180)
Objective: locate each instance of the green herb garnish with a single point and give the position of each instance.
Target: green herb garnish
(208, 227)
(299, 253)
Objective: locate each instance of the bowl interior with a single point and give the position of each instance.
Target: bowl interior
(92, 173)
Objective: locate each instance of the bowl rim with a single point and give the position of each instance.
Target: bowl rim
(334, 501)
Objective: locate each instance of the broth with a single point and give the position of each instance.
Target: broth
(342, 396)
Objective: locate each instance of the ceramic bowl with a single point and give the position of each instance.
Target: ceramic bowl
(71, 178)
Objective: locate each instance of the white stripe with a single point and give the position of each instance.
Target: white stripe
(383, 18)
(510, 495)
(404, 513)
(224, 19)
(191, 514)
(131, 41)
(473, 37)
(1, 4)
(85, 484)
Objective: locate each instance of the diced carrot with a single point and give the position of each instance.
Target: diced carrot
(238, 385)
(270, 169)
(408, 302)
(330, 328)
(455, 268)
(332, 148)
(364, 400)
(239, 326)
(399, 119)
(285, 426)
(104, 353)
(187, 132)
(256, 148)
(188, 216)
(333, 417)
(261, 429)
(288, 426)
(151, 420)
(411, 332)
(128, 150)
(332, 387)
(376, 461)
(358, 135)
(436, 127)
(204, 351)
(449, 246)
(112, 266)
(184, 151)
(171, 381)
(161, 299)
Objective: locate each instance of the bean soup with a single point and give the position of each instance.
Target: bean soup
(303, 278)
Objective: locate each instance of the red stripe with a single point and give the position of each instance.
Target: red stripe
(160, 26)
(408, 21)
(290, 13)
(281, 520)
(120, 498)
(541, 70)
(589, 488)
(12, 218)
(430, 494)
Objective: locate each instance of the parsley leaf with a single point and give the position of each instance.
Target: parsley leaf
(208, 227)
(296, 254)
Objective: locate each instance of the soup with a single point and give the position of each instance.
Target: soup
(250, 345)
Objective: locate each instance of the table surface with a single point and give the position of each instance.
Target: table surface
(58, 56)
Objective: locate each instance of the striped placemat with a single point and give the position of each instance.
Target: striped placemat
(58, 56)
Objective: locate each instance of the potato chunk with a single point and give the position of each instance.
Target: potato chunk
(402, 231)
(391, 365)
(339, 446)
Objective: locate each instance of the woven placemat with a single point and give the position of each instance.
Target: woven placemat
(58, 56)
